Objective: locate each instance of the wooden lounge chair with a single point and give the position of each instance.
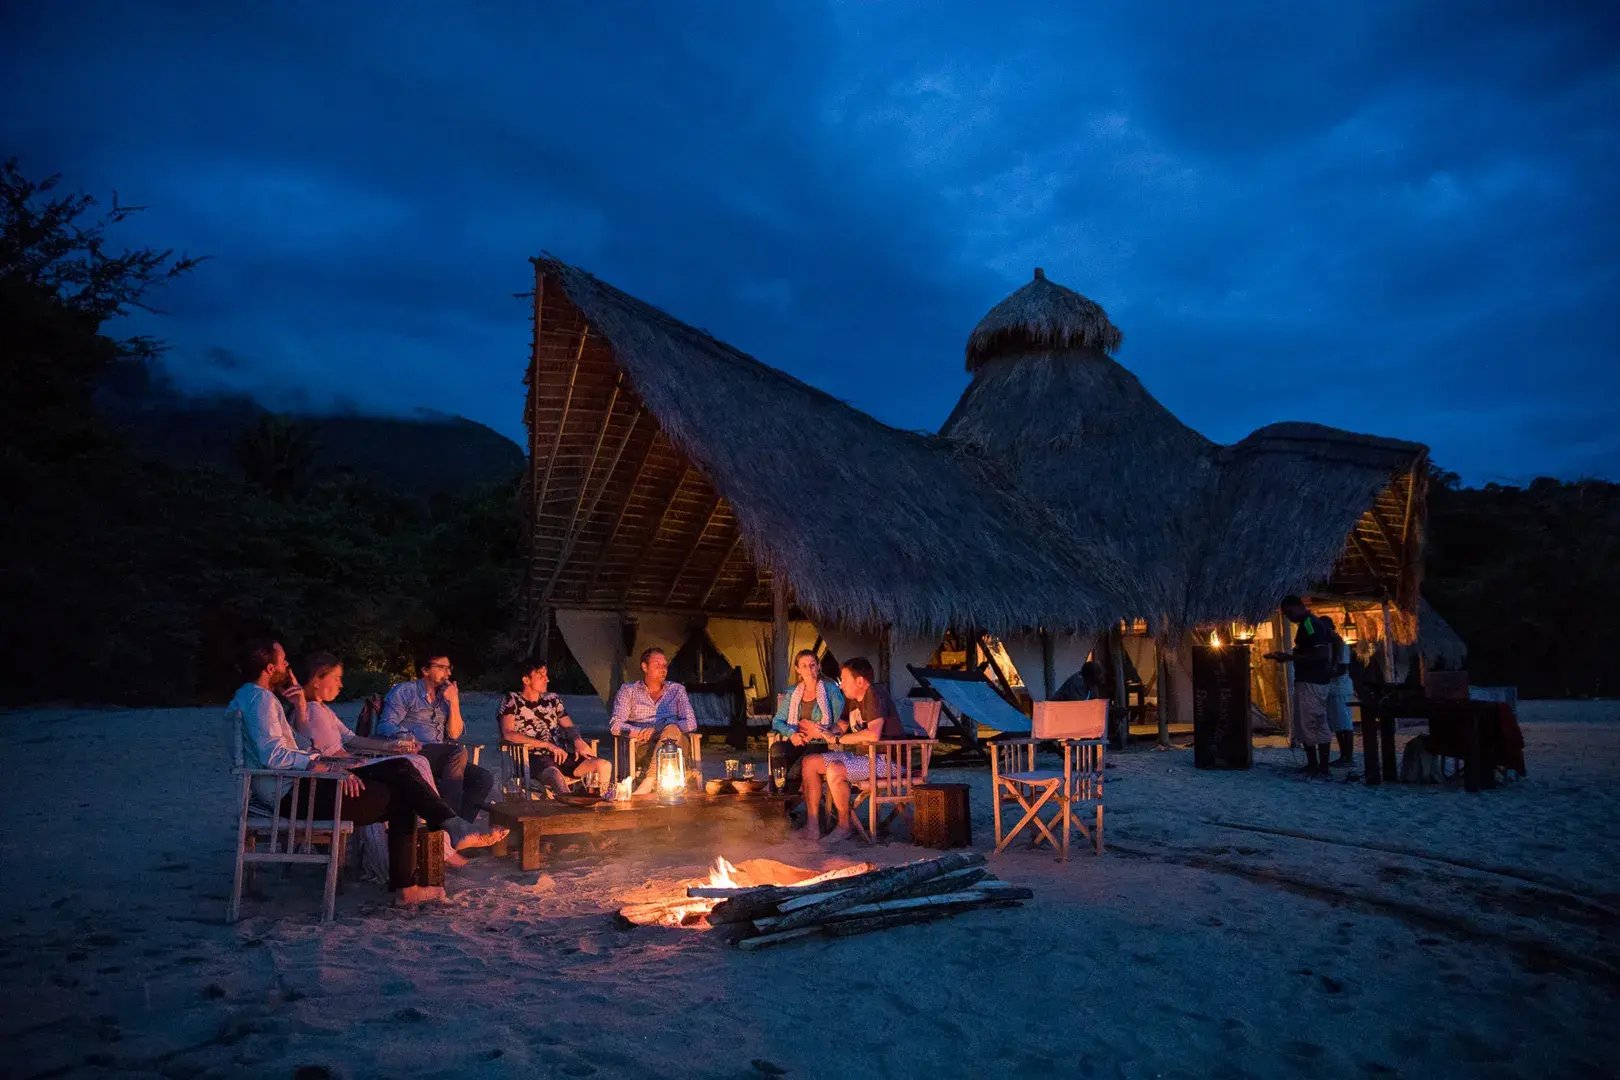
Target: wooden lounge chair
(1076, 786)
(894, 768)
(271, 836)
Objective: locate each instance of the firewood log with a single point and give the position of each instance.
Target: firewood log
(879, 885)
(971, 897)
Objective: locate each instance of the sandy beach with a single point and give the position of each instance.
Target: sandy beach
(1415, 931)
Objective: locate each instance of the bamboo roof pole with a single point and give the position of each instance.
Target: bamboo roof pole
(779, 633)
(624, 508)
(719, 571)
(652, 537)
(562, 421)
(675, 578)
(571, 536)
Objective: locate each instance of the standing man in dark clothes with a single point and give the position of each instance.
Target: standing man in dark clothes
(1313, 674)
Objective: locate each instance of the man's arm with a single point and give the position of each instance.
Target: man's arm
(619, 722)
(272, 739)
(454, 725)
(684, 716)
(391, 722)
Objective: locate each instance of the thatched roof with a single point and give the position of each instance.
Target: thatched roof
(1210, 532)
(1438, 641)
(1041, 317)
(672, 471)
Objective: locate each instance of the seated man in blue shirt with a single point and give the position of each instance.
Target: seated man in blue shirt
(651, 711)
(429, 711)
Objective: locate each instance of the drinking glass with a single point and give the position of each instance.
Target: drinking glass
(748, 770)
(779, 774)
(731, 768)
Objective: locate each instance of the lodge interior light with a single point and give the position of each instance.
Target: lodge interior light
(1214, 640)
(1351, 636)
(1242, 632)
(670, 766)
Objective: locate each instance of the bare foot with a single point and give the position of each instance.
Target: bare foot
(452, 857)
(839, 835)
(646, 785)
(412, 895)
(465, 837)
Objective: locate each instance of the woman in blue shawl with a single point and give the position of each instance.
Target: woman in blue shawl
(805, 717)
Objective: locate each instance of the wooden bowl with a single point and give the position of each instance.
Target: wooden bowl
(717, 787)
(749, 787)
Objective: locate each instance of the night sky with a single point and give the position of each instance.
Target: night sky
(1397, 218)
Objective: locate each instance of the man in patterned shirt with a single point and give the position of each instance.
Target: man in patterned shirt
(537, 719)
(651, 711)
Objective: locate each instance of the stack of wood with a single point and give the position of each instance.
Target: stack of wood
(875, 900)
(691, 908)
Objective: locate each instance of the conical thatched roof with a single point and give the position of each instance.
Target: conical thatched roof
(1041, 317)
(725, 472)
(1209, 532)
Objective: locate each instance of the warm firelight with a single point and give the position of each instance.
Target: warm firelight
(670, 765)
(1214, 640)
(674, 905)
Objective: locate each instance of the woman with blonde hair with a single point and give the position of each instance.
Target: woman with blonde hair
(806, 716)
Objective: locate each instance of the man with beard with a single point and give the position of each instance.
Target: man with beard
(429, 710)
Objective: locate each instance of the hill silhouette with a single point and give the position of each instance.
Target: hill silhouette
(422, 456)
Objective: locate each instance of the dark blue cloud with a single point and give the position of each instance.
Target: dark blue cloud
(1388, 219)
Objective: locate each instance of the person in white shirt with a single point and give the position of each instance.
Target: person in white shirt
(390, 790)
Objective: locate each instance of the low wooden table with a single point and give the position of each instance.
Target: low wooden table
(530, 819)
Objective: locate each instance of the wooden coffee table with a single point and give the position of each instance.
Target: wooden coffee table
(530, 819)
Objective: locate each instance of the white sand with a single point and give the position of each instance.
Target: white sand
(1191, 949)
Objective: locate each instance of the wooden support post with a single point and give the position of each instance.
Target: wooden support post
(540, 646)
(1283, 645)
(972, 650)
(885, 671)
(616, 676)
(779, 634)
(1048, 664)
(1166, 691)
(1389, 643)
(1122, 694)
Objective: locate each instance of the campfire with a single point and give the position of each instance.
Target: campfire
(766, 902)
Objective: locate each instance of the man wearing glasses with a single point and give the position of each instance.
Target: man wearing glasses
(428, 710)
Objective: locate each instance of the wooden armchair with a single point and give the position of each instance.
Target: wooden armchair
(894, 768)
(516, 780)
(366, 724)
(1077, 785)
(287, 837)
(624, 757)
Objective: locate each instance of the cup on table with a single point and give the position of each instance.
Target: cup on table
(748, 770)
(731, 768)
(779, 774)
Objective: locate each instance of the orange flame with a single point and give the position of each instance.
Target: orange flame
(720, 874)
(1214, 639)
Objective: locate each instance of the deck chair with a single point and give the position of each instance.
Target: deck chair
(515, 771)
(894, 768)
(1015, 777)
(970, 702)
(286, 837)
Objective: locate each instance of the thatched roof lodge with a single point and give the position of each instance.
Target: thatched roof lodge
(674, 477)
(1213, 533)
(671, 476)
